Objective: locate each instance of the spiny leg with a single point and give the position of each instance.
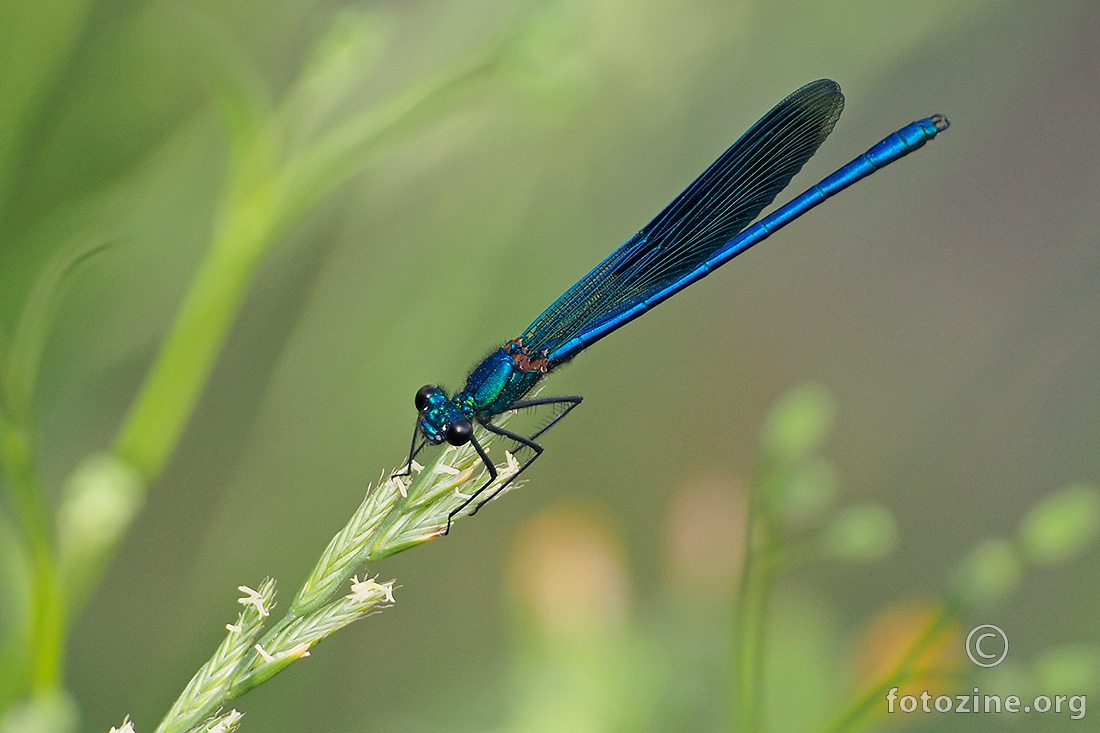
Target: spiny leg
(572, 401)
(528, 442)
(492, 477)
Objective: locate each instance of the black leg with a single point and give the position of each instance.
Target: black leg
(492, 477)
(413, 450)
(493, 471)
(529, 442)
(570, 402)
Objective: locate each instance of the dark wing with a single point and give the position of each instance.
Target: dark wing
(717, 206)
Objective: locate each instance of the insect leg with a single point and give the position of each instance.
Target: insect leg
(413, 450)
(492, 477)
(572, 401)
(528, 442)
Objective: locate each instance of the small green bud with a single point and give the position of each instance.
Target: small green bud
(989, 572)
(799, 422)
(1070, 668)
(861, 533)
(1061, 525)
(101, 498)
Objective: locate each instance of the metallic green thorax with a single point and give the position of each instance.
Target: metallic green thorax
(498, 382)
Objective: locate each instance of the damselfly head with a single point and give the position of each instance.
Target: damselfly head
(440, 419)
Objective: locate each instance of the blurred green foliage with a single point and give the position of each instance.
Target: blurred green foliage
(1062, 525)
(235, 237)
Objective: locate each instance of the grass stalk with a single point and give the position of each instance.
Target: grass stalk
(397, 514)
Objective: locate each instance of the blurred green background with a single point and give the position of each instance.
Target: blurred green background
(950, 306)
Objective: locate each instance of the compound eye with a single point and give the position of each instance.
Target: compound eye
(459, 432)
(423, 395)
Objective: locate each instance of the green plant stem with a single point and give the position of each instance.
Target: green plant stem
(46, 617)
(16, 455)
(748, 625)
(251, 221)
(854, 716)
(176, 380)
(32, 513)
(27, 498)
(47, 639)
(348, 147)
